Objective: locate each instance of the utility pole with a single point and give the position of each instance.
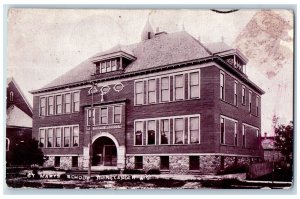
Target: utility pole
(91, 120)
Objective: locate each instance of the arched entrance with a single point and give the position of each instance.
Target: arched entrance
(104, 152)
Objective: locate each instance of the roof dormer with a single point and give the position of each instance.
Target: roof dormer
(115, 59)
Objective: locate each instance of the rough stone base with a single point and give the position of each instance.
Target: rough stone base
(179, 164)
(65, 162)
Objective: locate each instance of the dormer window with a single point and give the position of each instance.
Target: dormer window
(106, 66)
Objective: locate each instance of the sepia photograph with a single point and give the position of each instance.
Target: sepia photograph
(149, 99)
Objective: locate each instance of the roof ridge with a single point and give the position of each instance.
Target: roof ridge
(199, 42)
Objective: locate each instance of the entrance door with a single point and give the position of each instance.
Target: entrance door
(104, 152)
(110, 155)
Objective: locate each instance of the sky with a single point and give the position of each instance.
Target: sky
(43, 44)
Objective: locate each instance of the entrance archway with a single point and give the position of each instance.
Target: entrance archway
(104, 152)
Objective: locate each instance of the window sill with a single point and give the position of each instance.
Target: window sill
(167, 102)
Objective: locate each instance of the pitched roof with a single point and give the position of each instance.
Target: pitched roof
(161, 50)
(11, 79)
(217, 47)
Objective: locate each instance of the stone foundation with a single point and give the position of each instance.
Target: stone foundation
(179, 164)
(65, 162)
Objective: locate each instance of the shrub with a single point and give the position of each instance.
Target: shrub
(133, 171)
(153, 171)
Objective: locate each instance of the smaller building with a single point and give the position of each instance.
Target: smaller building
(18, 117)
(270, 152)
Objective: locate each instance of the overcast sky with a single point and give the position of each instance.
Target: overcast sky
(43, 44)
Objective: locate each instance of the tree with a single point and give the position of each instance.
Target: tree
(27, 153)
(284, 140)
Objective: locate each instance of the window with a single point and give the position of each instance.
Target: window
(179, 84)
(139, 93)
(138, 162)
(11, 96)
(50, 138)
(75, 136)
(222, 90)
(244, 137)
(164, 131)
(152, 91)
(113, 65)
(67, 103)
(50, 105)
(42, 138)
(222, 163)
(103, 115)
(257, 105)
(108, 66)
(91, 116)
(250, 101)
(194, 130)
(243, 95)
(97, 68)
(151, 129)
(103, 67)
(179, 131)
(165, 89)
(43, 106)
(139, 129)
(222, 131)
(194, 163)
(67, 135)
(117, 114)
(57, 161)
(58, 137)
(235, 93)
(235, 134)
(194, 85)
(58, 104)
(164, 162)
(74, 161)
(76, 102)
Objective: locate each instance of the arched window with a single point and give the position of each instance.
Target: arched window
(7, 144)
(11, 96)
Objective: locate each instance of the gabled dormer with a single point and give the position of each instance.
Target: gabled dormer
(113, 61)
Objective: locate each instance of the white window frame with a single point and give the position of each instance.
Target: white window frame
(174, 128)
(226, 118)
(160, 130)
(222, 93)
(61, 109)
(73, 101)
(100, 115)
(189, 129)
(160, 89)
(236, 135)
(93, 115)
(183, 87)
(65, 103)
(155, 92)
(134, 140)
(142, 93)
(53, 105)
(221, 131)
(45, 107)
(114, 122)
(47, 137)
(155, 127)
(55, 140)
(11, 96)
(236, 96)
(76, 136)
(257, 105)
(45, 144)
(189, 83)
(243, 95)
